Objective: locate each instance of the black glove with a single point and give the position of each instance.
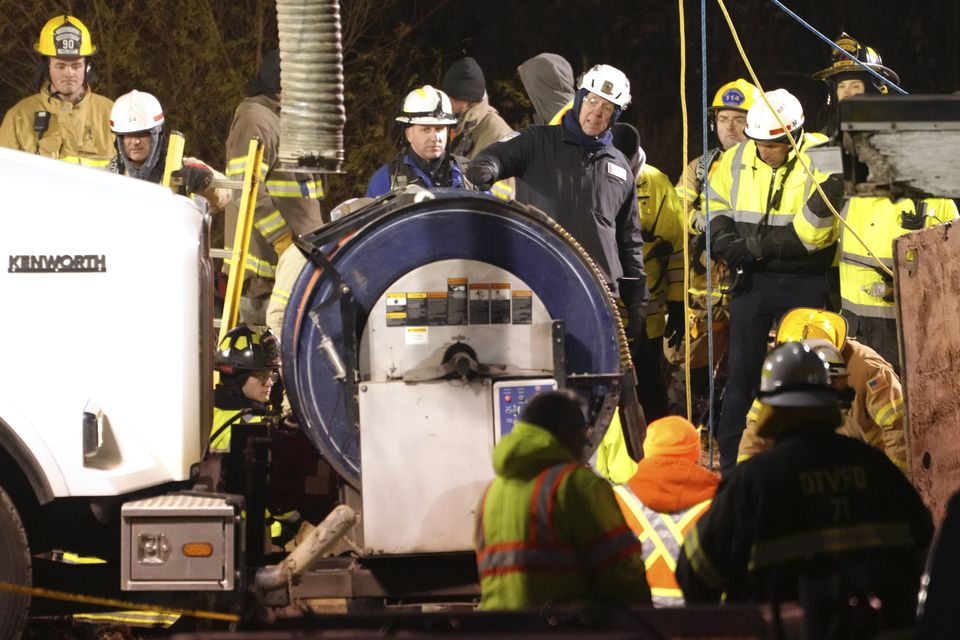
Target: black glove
(912, 220)
(676, 326)
(194, 178)
(481, 175)
(742, 251)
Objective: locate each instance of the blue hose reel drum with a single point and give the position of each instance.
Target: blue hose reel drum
(393, 239)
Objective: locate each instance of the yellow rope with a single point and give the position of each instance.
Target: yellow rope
(793, 143)
(686, 216)
(51, 594)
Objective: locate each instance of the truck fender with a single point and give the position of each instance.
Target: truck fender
(22, 442)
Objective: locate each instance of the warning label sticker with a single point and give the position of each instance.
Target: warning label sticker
(480, 303)
(500, 303)
(462, 303)
(456, 301)
(416, 335)
(396, 309)
(522, 307)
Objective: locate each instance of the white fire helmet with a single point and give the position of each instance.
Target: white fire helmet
(135, 111)
(762, 124)
(609, 83)
(427, 105)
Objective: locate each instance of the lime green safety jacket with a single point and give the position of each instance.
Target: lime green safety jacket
(750, 199)
(865, 289)
(549, 529)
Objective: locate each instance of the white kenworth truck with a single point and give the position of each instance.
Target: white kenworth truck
(106, 378)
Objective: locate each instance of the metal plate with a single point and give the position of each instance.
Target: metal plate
(928, 290)
(426, 453)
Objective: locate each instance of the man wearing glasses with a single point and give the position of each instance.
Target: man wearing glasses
(574, 174)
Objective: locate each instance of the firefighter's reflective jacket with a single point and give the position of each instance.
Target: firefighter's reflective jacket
(549, 529)
(75, 132)
(818, 507)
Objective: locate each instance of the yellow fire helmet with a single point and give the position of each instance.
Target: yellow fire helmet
(65, 36)
(803, 323)
(738, 95)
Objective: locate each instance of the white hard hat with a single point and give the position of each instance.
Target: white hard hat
(607, 82)
(762, 124)
(427, 105)
(135, 111)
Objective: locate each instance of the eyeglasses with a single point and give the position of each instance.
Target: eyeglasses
(739, 121)
(605, 105)
(266, 376)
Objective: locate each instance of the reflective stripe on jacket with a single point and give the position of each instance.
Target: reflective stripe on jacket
(662, 536)
(552, 532)
(78, 133)
(878, 222)
(750, 198)
(876, 416)
(287, 203)
(817, 504)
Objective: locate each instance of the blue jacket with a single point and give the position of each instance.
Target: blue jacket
(388, 177)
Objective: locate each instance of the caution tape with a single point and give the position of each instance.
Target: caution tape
(52, 594)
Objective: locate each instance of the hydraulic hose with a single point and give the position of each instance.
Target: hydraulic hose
(312, 114)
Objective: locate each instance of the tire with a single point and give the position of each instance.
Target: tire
(15, 568)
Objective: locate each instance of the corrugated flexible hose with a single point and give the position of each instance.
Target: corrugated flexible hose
(312, 113)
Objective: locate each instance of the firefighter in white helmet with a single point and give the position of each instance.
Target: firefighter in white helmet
(727, 115)
(427, 116)
(65, 119)
(137, 120)
(760, 226)
(547, 160)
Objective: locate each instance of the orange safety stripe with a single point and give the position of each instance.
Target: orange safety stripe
(542, 553)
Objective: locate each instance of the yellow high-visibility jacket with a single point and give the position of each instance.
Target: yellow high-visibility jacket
(878, 222)
(79, 133)
(661, 223)
(750, 198)
(549, 529)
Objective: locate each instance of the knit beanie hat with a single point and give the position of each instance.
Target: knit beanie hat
(464, 81)
(674, 437)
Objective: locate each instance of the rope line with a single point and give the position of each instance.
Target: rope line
(834, 45)
(52, 594)
(793, 142)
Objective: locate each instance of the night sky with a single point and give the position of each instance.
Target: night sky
(917, 39)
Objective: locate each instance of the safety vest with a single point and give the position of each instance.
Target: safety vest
(877, 221)
(223, 421)
(532, 564)
(755, 195)
(662, 539)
